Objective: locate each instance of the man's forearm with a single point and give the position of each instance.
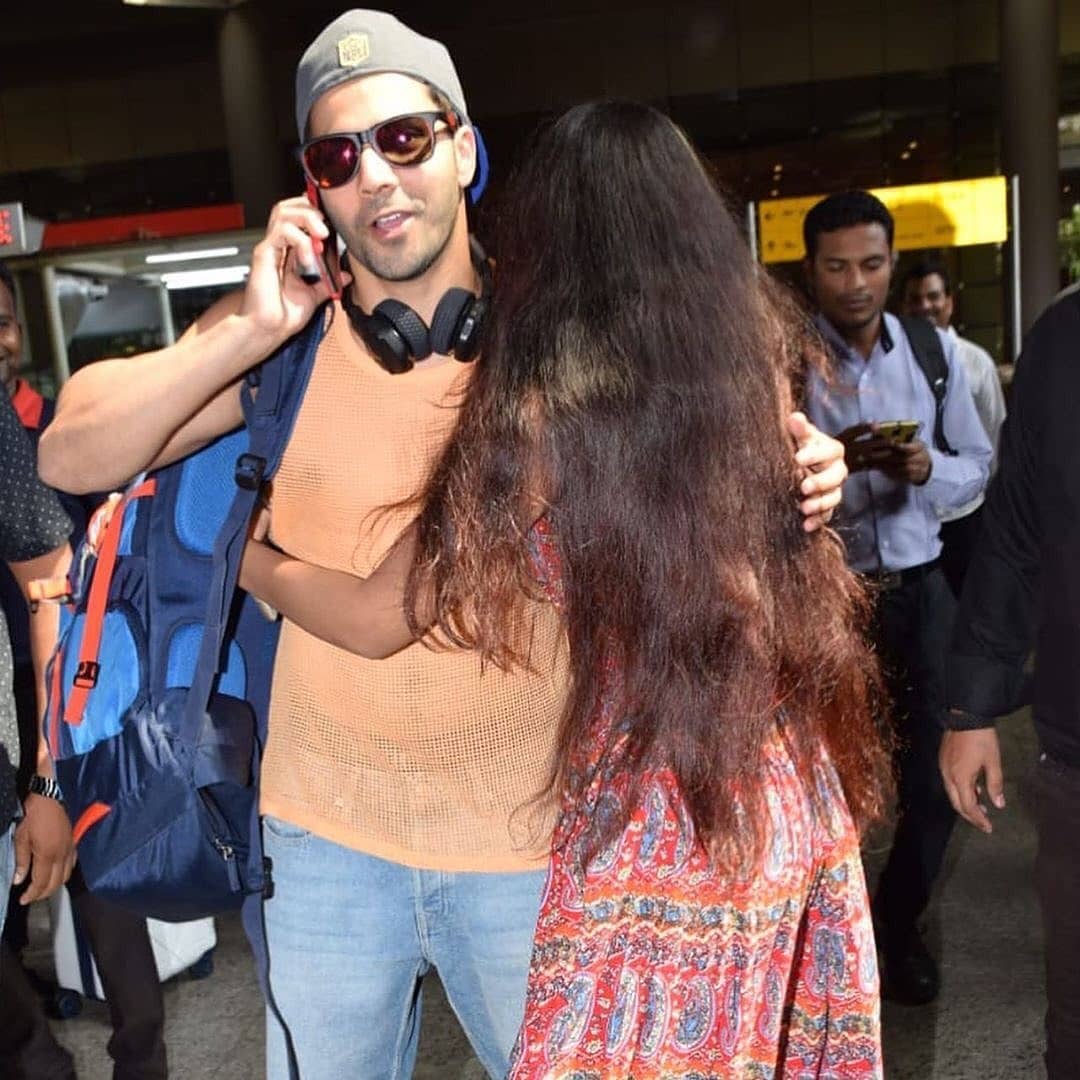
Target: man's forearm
(44, 625)
(954, 481)
(365, 616)
(117, 417)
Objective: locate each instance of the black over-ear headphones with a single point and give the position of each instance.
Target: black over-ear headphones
(398, 337)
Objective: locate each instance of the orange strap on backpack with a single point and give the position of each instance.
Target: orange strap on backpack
(88, 669)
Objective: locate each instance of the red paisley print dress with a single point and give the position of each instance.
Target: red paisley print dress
(651, 964)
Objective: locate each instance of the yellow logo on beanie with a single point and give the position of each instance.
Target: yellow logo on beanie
(353, 50)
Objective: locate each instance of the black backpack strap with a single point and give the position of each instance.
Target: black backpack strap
(930, 356)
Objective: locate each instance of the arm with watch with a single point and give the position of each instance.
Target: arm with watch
(43, 843)
(34, 531)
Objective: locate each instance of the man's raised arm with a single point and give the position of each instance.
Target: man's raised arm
(117, 417)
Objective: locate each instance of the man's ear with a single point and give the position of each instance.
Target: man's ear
(465, 155)
(808, 274)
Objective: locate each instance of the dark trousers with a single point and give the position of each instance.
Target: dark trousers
(125, 961)
(1054, 794)
(28, 1049)
(913, 627)
(957, 546)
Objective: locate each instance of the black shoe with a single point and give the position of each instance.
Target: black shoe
(910, 975)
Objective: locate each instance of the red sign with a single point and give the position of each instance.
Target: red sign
(12, 229)
(153, 226)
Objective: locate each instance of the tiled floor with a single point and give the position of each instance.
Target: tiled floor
(985, 1026)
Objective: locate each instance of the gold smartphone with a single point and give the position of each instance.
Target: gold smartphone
(898, 431)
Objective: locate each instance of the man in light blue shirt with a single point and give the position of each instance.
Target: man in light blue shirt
(901, 482)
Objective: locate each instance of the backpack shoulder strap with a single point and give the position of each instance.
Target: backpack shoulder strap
(280, 382)
(271, 393)
(930, 356)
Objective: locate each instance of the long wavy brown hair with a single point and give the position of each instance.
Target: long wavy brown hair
(634, 387)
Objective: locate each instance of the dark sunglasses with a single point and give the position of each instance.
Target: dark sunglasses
(332, 160)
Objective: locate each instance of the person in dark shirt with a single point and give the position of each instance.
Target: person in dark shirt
(33, 542)
(119, 940)
(1023, 591)
(34, 412)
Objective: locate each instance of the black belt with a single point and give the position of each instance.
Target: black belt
(888, 580)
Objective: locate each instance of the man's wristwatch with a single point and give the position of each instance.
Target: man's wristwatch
(45, 786)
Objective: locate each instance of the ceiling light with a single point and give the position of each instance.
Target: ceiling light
(198, 279)
(184, 256)
(221, 4)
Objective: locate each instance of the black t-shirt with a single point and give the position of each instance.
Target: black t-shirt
(1022, 589)
(32, 523)
(78, 508)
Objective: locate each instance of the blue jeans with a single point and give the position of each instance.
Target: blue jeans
(7, 868)
(350, 937)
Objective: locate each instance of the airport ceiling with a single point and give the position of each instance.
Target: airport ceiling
(79, 36)
(25, 22)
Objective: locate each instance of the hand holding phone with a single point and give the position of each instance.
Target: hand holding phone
(888, 445)
(873, 445)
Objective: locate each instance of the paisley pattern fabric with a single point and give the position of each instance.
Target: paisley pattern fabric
(654, 964)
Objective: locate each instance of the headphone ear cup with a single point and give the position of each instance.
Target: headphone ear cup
(382, 338)
(470, 328)
(409, 326)
(446, 320)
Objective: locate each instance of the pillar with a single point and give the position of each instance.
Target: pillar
(1029, 87)
(255, 159)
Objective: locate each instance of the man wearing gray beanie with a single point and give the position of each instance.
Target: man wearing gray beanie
(403, 800)
(408, 810)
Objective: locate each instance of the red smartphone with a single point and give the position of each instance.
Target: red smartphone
(328, 268)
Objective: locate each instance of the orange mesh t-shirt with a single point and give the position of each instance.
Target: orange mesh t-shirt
(427, 758)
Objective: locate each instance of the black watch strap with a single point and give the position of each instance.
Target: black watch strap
(45, 786)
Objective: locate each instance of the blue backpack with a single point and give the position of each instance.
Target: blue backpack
(158, 691)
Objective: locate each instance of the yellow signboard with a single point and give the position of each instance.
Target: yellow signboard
(952, 213)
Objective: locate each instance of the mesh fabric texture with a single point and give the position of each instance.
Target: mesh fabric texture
(425, 758)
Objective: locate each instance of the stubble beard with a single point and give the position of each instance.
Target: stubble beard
(403, 266)
(852, 325)
(409, 264)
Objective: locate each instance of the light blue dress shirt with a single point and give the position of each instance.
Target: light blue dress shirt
(887, 524)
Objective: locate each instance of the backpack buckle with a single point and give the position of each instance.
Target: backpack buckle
(249, 471)
(86, 675)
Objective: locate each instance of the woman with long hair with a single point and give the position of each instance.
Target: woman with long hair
(622, 451)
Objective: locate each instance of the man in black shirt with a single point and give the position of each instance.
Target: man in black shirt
(1023, 591)
(119, 940)
(33, 542)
